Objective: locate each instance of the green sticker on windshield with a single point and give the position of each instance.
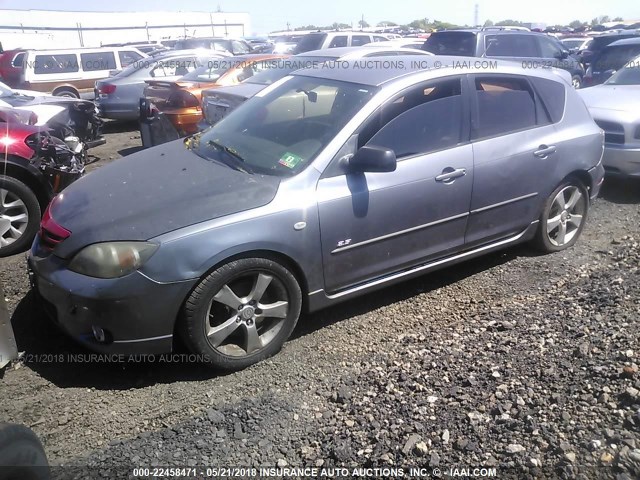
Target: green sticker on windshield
(290, 160)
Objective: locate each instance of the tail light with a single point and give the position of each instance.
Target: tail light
(183, 99)
(51, 234)
(107, 89)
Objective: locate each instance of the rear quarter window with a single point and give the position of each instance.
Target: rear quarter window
(553, 96)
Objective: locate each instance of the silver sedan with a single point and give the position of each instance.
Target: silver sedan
(615, 107)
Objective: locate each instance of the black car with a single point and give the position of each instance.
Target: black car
(600, 42)
(612, 58)
(534, 50)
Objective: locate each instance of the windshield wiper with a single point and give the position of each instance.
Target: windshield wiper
(233, 154)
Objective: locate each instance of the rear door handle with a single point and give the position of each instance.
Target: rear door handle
(544, 151)
(449, 174)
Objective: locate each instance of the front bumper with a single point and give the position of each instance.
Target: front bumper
(621, 161)
(136, 313)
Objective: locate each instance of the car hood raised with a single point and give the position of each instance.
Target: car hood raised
(612, 97)
(154, 192)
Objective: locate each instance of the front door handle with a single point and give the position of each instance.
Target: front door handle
(449, 174)
(544, 151)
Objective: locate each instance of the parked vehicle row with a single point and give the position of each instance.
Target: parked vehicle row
(330, 183)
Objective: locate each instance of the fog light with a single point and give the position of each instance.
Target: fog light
(98, 334)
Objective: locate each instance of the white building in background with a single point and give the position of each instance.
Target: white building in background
(57, 29)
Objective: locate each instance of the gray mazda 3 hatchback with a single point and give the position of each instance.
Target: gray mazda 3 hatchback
(328, 184)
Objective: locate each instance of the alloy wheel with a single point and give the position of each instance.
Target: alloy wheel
(566, 215)
(246, 314)
(14, 217)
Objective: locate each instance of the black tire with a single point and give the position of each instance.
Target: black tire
(28, 197)
(544, 239)
(576, 81)
(202, 313)
(21, 454)
(66, 92)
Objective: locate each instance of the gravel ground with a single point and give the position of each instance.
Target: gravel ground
(515, 361)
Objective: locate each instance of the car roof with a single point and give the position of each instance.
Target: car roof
(394, 67)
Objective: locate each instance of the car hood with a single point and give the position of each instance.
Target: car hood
(154, 192)
(612, 97)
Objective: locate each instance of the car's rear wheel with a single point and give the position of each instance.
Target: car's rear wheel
(242, 313)
(19, 216)
(563, 217)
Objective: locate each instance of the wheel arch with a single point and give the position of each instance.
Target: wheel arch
(65, 87)
(32, 179)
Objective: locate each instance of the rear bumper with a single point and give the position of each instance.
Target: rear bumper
(621, 161)
(137, 314)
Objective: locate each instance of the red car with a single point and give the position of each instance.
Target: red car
(11, 66)
(34, 166)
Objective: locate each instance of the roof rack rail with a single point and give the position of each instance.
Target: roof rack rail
(507, 27)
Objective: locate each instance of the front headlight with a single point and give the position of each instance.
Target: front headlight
(112, 259)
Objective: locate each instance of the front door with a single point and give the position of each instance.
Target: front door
(373, 224)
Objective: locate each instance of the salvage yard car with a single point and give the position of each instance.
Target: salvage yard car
(176, 105)
(615, 106)
(327, 184)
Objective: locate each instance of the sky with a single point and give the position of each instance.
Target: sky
(270, 15)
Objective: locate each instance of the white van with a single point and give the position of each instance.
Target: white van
(322, 40)
(73, 72)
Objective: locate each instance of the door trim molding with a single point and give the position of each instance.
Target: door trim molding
(398, 233)
(506, 202)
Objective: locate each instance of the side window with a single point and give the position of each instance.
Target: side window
(379, 38)
(357, 40)
(339, 41)
(128, 57)
(92, 62)
(46, 64)
(549, 48)
(422, 120)
(504, 105)
(510, 45)
(552, 95)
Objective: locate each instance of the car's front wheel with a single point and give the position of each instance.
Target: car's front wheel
(576, 81)
(242, 313)
(563, 217)
(19, 216)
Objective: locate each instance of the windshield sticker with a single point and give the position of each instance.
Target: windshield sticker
(290, 160)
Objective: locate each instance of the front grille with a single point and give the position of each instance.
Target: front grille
(613, 132)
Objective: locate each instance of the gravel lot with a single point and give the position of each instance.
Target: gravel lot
(521, 362)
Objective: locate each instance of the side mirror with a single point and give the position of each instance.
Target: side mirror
(562, 54)
(372, 159)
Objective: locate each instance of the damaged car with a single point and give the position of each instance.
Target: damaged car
(62, 116)
(35, 165)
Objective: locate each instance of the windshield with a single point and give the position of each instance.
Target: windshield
(282, 131)
(311, 41)
(5, 91)
(451, 43)
(629, 75)
(283, 67)
(212, 70)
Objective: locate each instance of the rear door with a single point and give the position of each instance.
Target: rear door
(515, 152)
(373, 224)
